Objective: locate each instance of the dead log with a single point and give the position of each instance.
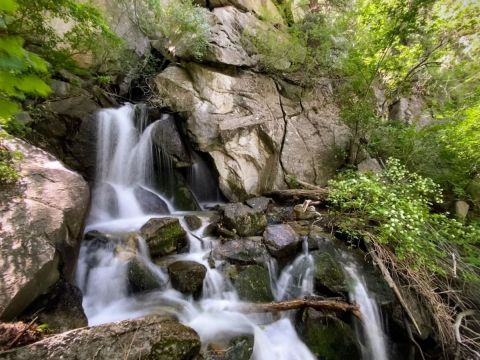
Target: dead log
(299, 194)
(320, 304)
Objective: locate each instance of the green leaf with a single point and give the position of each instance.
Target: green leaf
(8, 6)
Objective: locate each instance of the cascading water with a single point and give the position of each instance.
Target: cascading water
(125, 177)
(371, 319)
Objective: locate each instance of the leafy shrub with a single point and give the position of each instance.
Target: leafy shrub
(395, 207)
(181, 22)
(8, 172)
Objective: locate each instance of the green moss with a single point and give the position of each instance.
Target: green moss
(253, 284)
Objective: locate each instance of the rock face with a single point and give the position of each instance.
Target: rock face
(153, 338)
(281, 240)
(244, 220)
(187, 276)
(255, 129)
(163, 236)
(41, 220)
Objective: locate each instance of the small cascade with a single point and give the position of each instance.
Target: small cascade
(371, 322)
(296, 279)
(202, 181)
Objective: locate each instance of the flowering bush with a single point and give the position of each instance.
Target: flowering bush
(395, 207)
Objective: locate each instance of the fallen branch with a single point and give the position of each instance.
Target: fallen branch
(319, 304)
(304, 184)
(296, 194)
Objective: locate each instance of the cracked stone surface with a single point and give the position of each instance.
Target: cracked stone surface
(257, 132)
(41, 219)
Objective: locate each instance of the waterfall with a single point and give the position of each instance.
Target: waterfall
(371, 320)
(125, 182)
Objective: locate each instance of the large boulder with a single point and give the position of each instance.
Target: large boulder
(164, 236)
(281, 240)
(257, 130)
(247, 251)
(41, 220)
(244, 220)
(187, 276)
(150, 202)
(153, 338)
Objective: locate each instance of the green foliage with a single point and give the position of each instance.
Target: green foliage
(8, 172)
(395, 207)
(86, 31)
(278, 51)
(22, 72)
(182, 23)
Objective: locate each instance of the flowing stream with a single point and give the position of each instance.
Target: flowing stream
(125, 178)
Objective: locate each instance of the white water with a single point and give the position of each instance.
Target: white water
(125, 162)
(371, 320)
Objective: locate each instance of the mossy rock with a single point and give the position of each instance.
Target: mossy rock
(328, 337)
(244, 220)
(187, 277)
(193, 222)
(140, 278)
(253, 284)
(328, 275)
(164, 236)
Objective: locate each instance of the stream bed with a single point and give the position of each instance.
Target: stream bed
(127, 195)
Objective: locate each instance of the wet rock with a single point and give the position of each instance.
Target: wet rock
(164, 236)
(166, 136)
(281, 240)
(61, 309)
(244, 220)
(279, 214)
(253, 284)
(193, 222)
(259, 203)
(187, 277)
(153, 337)
(328, 337)
(245, 251)
(328, 275)
(304, 214)
(149, 202)
(41, 219)
(240, 348)
(140, 278)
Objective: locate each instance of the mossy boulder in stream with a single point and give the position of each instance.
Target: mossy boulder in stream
(140, 278)
(244, 220)
(253, 284)
(187, 276)
(328, 274)
(328, 337)
(164, 236)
